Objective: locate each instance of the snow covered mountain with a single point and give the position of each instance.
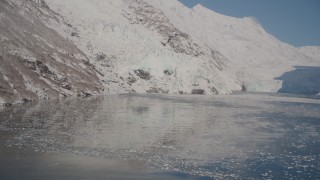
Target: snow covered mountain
(257, 58)
(52, 48)
(138, 49)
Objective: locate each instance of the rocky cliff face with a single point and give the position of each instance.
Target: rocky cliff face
(36, 61)
(140, 12)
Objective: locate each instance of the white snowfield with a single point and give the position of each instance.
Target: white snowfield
(312, 51)
(133, 35)
(254, 57)
(161, 46)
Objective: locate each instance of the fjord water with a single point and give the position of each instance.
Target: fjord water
(239, 136)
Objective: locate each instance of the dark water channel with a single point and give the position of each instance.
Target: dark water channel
(240, 136)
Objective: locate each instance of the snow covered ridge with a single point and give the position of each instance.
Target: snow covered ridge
(312, 51)
(140, 12)
(257, 59)
(122, 38)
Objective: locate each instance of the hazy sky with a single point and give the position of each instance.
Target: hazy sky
(296, 22)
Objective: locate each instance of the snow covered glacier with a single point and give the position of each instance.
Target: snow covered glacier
(60, 48)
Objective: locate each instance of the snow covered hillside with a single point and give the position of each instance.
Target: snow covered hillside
(52, 48)
(139, 49)
(35, 61)
(311, 51)
(257, 58)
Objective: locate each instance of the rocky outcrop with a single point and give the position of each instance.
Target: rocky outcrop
(198, 91)
(36, 62)
(140, 12)
(143, 74)
(143, 13)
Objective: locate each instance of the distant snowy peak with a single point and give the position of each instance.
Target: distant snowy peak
(256, 57)
(205, 11)
(311, 51)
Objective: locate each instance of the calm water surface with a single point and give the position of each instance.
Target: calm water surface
(240, 136)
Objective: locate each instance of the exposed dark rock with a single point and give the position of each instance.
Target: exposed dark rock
(65, 85)
(7, 104)
(153, 90)
(46, 72)
(243, 88)
(182, 43)
(198, 91)
(141, 109)
(181, 92)
(168, 72)
(154, 19)
(142, 74)
(44, 4)
(218, 60)
(74, 34)
(157, 90)
(112, 81)
(29, 64)
(85, 94)
(44, 69)
(62, 94)
(87, 63)
(131, 80)
(101, 56)
(214, 90)
(25, 100)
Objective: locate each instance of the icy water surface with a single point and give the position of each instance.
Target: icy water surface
(240, 136)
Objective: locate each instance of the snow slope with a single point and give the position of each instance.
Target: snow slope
(35, 61)
(257, 58)
(123, 38)
(311, 51)
(250, 56)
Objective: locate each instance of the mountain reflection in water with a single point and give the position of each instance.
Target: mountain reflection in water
(235, 136)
